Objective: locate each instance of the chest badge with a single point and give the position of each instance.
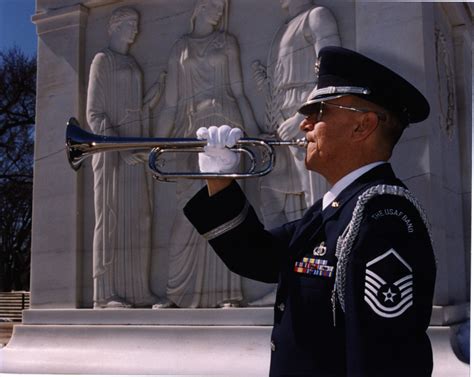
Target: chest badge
(320, 250)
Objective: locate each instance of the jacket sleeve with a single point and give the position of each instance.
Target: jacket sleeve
(390, 277)
(231, 226)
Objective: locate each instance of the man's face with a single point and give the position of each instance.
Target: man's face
(329, 138)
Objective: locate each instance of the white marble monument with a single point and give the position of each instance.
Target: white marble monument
(105, 237)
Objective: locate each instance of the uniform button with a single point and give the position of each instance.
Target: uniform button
(281, 307)
(272, 346)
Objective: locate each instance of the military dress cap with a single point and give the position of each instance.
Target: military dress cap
(345, 72)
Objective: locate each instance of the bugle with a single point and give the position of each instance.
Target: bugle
(81, 144)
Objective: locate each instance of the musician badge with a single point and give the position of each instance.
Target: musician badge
(317, 66)
(320, 250)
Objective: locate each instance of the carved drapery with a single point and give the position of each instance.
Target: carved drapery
(446, 84)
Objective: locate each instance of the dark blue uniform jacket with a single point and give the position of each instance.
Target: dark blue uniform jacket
(388, 279)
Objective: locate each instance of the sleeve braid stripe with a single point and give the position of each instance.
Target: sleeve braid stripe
(346, 240)
(229, 225)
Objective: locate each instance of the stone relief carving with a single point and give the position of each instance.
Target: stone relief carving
(446, 83)
(122, 192)
(287, 80)
(204, 87)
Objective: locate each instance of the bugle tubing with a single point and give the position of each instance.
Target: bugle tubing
(81, 144)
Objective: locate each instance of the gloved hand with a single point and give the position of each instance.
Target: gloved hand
(216, 158)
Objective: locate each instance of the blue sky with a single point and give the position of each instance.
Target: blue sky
(16, 26)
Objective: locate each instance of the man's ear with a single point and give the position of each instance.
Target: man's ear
(366, 125)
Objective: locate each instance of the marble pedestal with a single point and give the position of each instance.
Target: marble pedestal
(204, 342)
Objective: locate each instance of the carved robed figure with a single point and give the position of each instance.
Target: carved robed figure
(122, 195)
(287, 80)
(203, 88)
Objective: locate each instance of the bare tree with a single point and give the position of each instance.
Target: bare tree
(17, 119)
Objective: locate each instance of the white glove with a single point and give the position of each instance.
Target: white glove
(216, 158)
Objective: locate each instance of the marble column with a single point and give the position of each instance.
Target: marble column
(57, 194)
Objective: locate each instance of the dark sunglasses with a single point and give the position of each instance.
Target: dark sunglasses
(317, 115)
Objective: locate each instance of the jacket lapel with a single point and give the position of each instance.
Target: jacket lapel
(315, 222)
(382, 173)
(310, 225)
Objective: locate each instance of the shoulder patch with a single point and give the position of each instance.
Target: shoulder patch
(388, 285)
(395, 213)
(347, 238)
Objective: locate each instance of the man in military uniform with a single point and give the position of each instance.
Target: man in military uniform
(356, 274)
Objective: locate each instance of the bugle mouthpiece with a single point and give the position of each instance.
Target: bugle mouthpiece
(302, 143)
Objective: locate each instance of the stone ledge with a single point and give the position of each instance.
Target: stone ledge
(60, 19)
(167, 317)
(450, 315)
(162, 350)
(441, 316)
(165, 350)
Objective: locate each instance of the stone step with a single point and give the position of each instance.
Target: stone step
(15, 299)
(18, 304)
(5, 308)
(13, 294)
(10, 310)
(12, 305)
(26, 298)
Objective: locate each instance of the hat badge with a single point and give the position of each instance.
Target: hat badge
(317, 64)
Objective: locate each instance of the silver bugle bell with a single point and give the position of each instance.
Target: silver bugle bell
(81, 144)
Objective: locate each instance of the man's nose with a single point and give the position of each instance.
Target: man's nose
(307, 125)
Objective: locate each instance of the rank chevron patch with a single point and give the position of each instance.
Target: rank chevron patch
(388, 285)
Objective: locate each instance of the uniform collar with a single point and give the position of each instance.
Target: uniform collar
(317, 218)
(345, 181)
(378, 174)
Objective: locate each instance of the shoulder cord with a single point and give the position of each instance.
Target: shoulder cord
(346, 240)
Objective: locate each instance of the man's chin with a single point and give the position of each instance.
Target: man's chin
(312, 165)
(309, 165)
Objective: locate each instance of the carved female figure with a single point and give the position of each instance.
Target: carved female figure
(288, 79)
(122, 198)
(204, 88)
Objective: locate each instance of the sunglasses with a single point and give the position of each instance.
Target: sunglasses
(317, 115)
